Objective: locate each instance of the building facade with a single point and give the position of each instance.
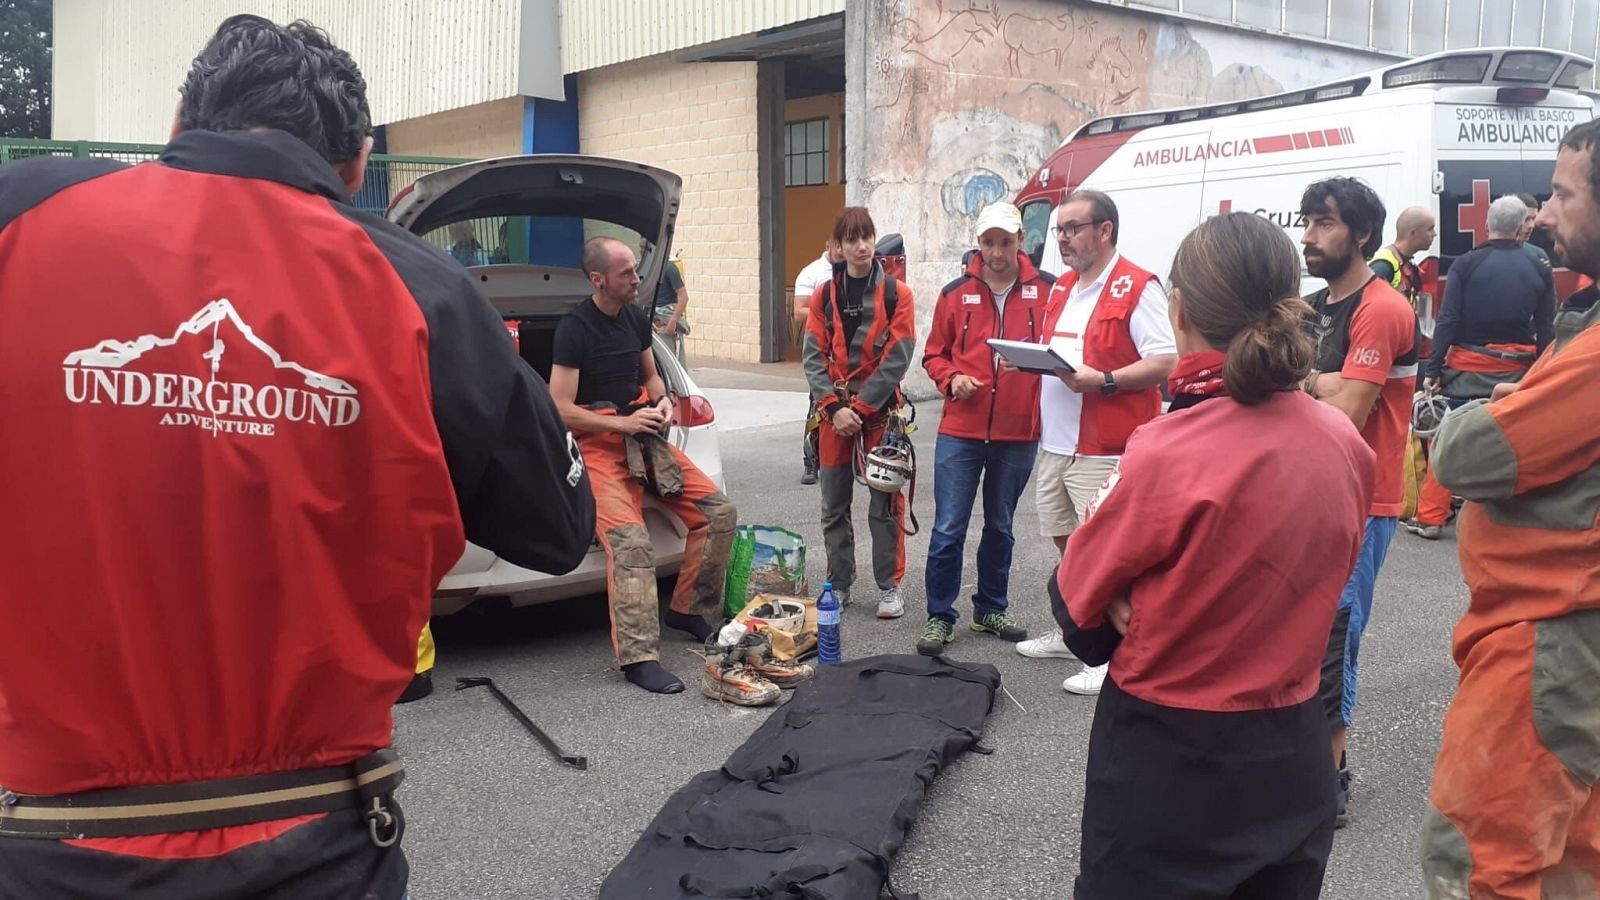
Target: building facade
(778, 112)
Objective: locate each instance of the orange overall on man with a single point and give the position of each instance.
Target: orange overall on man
(604, 380)
(860, 334)
(1515, 814)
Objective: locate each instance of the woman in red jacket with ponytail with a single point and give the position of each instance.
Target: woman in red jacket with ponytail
(1207, 574)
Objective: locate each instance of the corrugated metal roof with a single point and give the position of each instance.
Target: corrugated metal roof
(599, 33)
(119, 63)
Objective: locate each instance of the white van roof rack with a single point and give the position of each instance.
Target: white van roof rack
(1516, 67)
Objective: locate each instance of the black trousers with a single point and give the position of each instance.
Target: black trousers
(1190, 805)
(332, 858)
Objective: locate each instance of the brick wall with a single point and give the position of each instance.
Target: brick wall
(698, 120)
(472, 132)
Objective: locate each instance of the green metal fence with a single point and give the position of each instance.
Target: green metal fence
(387, 175)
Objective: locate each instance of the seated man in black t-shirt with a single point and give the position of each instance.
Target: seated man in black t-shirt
(604, 382)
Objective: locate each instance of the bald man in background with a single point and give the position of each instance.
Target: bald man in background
(1414, 232)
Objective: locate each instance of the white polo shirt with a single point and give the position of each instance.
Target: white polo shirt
(1060, 408)
(816, 272)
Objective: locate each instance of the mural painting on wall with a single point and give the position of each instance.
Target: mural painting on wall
(971, 96)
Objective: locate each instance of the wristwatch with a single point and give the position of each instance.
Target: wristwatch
(1110, 387)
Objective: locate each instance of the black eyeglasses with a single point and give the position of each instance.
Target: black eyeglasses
(1070, 229)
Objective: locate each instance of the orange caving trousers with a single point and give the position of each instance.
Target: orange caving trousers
(1514, 812)
(886, 512)
(1433, 501)
(705, 511)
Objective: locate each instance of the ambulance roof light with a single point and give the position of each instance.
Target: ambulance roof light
(1574, 71)
(1334, 92)
(1463, 69)
(1532, 66)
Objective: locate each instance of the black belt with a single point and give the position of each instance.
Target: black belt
(198, 805)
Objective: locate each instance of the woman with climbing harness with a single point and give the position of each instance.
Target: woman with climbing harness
(1207, 572)
(860, 335)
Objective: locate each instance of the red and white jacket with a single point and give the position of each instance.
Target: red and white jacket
(1108, 344)
(1006, 408)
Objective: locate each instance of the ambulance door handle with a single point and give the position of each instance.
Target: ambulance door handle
(1438, 182)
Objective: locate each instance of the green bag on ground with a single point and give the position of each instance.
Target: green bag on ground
(765, 560)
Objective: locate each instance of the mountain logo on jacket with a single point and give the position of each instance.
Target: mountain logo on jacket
(196, 378)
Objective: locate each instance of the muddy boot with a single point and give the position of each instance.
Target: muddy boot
(737, 683)
(786, 675)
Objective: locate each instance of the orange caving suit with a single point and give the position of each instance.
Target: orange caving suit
(1514, 810)
(863, 370)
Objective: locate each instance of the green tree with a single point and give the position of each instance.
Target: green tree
(25, 68)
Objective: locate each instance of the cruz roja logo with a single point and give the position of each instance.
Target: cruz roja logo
(100, 376)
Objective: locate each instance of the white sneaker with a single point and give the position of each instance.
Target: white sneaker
(1087, 682)
(890, 606)
(1051, 646)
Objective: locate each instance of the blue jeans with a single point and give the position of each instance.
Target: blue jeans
(1341, 666)
(958, 465)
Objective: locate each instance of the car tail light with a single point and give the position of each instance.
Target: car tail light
(694, 411)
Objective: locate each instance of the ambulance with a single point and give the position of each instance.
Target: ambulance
(1448, 132)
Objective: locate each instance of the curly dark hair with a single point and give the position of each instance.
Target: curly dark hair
(254, 73)
(1358, 205)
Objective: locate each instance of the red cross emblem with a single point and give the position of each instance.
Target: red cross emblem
(1121, 286)
(1473, 218)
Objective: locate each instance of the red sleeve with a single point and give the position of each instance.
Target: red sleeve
(936, 354)
(1381, 330)
(1131, 526)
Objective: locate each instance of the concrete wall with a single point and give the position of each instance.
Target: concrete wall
(966, 100)
(698, 120)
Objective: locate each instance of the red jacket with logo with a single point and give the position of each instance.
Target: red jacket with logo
(966, 316)
(1108, 344)
(1228, 616)
(248, 427)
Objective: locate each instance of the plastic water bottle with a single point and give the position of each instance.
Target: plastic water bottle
(828, 648)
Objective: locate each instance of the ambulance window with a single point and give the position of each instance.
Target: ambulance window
(1035, 228)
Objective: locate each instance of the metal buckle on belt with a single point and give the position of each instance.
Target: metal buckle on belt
(363, 785)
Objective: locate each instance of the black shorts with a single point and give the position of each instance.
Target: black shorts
(1184, 805)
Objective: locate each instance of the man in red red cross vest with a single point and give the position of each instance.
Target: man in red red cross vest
(1108, 319)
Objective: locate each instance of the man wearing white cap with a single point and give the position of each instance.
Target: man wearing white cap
(1108, 319)
(990, 428)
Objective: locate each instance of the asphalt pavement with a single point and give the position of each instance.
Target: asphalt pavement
(492, 816)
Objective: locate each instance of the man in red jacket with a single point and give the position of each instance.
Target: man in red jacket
(259, 427)
(1107, 317)
(990, 427)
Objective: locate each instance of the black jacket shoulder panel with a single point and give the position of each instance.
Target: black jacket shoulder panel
(26, 183)
(954, 284)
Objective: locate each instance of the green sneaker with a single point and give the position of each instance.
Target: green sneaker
(1002, 626)
(935, 635)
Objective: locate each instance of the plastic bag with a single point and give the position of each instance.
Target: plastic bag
(765, 560)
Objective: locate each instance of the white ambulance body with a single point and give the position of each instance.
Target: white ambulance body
(1448, 132)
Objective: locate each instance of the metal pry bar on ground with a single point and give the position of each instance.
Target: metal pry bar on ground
(566, 759)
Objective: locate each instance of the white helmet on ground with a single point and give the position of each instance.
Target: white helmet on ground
(1427, 413)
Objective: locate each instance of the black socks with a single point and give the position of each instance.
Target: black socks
(691, 623)
(650, 676)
